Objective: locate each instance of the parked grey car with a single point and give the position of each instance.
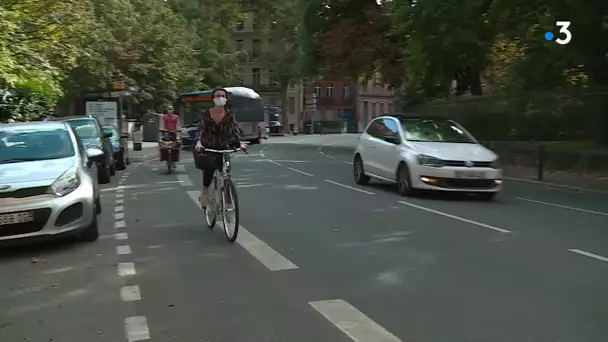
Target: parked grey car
(48, 182)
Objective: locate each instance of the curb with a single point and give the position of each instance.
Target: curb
(556, 185)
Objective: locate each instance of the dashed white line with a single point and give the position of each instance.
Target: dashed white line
(120, 224)
(353, 322)
(272, 161)
(119, 201)
(120, 195)
(130, 293)
(589, 254)
(137, 328)
(126, 269)
(123, 249)
(350, 187)
(121, 236)
(119, 208)
(119, 216)
(564, 206)
(462, 219)
(299, 171)
(270, 258)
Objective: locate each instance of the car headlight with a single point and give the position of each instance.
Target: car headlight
(495, 164)
(426, 160)
(66, 183)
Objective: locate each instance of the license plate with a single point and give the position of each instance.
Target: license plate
(470, 174)
(23, 217)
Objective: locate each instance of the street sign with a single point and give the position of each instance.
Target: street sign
(118, 85)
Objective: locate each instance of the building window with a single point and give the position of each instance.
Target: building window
(365, 112)
(255, 74)
(346, 92)
(272, 78)
(329, 115)
(292, 105)
(329, 90)
(240, 26)
(317, 90)
(390, 107)
(257, 48)
(382, 109)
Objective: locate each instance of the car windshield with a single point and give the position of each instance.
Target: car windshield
(111, 129)
(85, 128)
(434, 130)
(29, 144)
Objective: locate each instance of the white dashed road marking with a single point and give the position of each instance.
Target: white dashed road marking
(349, 187)
(126, 269)
(564, 206)
(588, 254)
(130, 293)
(299, 171)
(123, 249)
(119, 224)
(137, 329)
(353, 322)
(121, 236)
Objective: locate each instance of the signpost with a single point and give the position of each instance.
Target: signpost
(118, 85)
(311, 104)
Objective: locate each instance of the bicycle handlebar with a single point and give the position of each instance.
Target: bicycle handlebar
(223, 151)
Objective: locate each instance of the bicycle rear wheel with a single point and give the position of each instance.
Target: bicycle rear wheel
(230, 211)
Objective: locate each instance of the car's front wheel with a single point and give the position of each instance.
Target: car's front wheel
(404, 183)
(360, 177)
(120, 160)
(91, 232)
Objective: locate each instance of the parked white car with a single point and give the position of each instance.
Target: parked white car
(48, 182)
(426, 153)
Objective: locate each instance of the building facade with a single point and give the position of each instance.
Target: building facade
(374, 99)
(336, 102)
(258, 64)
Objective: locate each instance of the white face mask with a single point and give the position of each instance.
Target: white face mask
(220, 101)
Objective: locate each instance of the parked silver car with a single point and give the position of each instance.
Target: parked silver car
(48, 182)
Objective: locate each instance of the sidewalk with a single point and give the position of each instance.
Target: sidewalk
(590, 182)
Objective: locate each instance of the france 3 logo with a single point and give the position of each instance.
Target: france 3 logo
(563, 31)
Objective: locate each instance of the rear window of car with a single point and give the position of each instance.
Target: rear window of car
(85, 128)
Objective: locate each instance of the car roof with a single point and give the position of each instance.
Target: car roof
(71, 117)
(36, 124)
(415, 116)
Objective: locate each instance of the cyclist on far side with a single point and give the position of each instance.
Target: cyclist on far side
(218, 130)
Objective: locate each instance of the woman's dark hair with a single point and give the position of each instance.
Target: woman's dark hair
(215, 90)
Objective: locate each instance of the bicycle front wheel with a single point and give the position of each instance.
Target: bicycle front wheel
(230, 211)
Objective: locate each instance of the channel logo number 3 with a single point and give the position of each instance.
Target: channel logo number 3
(563, 29)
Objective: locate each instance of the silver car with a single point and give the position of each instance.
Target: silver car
(48, 182)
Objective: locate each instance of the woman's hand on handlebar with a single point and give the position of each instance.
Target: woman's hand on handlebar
(198, 147)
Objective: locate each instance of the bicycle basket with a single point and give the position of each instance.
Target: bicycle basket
(204, 161)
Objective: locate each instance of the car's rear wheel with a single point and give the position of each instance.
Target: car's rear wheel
(404, 183)
(360, 177)
(97, 205)
(120, 160)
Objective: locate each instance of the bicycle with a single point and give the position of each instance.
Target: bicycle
(222, 195)
(170, 145)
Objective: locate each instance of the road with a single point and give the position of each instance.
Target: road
(318, 258)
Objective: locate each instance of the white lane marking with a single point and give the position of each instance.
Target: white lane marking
(184, 180)
(120, 195)
(119, 201)
(564, 206)
(121, 236)
(126, 269)
(130, 293)
(155, 246)
(256, 247)
(120, 224)
(120, 190)
(137, 328)
(349, 187)
(299, 171)
(123, 250)
(589, 254)
(249, 185)
(119, 216)
(353, 322)
(462, 219)
(119, 208)
(272, 161)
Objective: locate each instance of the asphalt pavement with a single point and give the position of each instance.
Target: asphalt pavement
(318, 258)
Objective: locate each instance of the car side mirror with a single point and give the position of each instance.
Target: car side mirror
(94, 153)
(107, 134)
(393, 140)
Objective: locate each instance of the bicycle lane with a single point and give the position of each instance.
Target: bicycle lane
(421, 275)
(195, 286)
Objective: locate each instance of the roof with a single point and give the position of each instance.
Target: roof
(70, 117)
(241, 91)
(34, 124)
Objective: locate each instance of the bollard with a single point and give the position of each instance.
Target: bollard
(541, 162)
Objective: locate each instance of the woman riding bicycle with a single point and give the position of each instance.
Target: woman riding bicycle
(217, 129)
